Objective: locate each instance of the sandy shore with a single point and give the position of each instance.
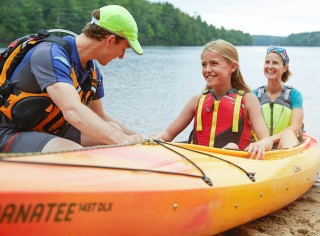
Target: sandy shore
(301, 217)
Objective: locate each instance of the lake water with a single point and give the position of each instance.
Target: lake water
(147, 92)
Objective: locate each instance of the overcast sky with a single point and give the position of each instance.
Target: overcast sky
(256, 17)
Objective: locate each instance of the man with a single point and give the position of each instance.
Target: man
(70, 114)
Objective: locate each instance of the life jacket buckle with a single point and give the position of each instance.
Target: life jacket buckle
(43, 33)
(5, 89)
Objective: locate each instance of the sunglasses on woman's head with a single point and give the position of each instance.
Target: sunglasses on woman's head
(276, 49)
(281, 51)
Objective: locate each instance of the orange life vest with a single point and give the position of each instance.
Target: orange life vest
(36, 111)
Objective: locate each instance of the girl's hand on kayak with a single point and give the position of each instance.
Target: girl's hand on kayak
(157, 137)
(257, 149)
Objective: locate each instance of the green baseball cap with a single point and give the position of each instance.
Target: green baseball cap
(119, 21)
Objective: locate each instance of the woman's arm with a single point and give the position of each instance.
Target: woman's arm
(296, 120)
(288, 137)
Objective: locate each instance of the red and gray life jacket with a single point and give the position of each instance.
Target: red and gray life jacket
(218, 123)
(36, 111)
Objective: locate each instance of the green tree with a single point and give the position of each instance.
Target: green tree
(159, 23)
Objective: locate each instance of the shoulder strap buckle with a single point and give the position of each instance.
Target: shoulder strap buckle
(206, 91)
(43, 33)
(241, 92)
(261, 90)
(286, 92)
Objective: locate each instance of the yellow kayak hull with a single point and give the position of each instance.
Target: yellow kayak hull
(162, 189)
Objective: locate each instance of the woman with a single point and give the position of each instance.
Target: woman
(281, 105)
(226, 112)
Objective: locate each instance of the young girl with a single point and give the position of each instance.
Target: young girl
(226, 112)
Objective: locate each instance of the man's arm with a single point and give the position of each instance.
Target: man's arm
(65, 96)
(97, 107)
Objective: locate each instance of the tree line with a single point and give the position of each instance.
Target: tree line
(159, 23)
(301, 39)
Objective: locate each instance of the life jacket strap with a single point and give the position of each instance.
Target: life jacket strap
(261, 90)
(236, 111)
(287, 93)
(199, 113)
(214, 123)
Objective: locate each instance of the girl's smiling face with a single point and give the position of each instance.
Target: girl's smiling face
(216, 70)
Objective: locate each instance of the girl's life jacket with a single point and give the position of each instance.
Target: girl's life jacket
(218, 123)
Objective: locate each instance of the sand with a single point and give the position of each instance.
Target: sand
(301, 217)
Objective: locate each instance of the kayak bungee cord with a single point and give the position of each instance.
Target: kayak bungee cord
(7, 158)
(205, 178)
(105, 167)
(249, 174)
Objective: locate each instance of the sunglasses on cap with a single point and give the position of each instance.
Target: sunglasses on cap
(281, 51)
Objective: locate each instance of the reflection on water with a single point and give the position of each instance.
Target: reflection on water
(147, 92)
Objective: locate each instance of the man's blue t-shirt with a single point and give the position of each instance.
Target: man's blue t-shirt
(49, 63)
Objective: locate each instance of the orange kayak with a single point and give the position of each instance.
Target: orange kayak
(144, 189)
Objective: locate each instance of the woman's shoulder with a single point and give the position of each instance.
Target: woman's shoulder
(295, 97)
(294, 91)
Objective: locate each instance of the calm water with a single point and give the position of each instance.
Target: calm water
(147, 92)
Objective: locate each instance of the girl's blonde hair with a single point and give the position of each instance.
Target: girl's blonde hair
(230, 53)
